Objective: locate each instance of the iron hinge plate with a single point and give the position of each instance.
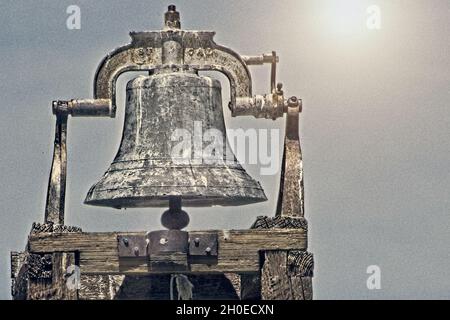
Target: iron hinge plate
(132, 246)
(200, 244)
(203, 244)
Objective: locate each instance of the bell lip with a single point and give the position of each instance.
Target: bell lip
(187, 201)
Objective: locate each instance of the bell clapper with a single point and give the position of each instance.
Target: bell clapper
(173, 240)
(175, 218)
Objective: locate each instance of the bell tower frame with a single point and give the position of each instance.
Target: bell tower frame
(269, 261)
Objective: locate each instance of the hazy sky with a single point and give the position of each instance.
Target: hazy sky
(375, 127)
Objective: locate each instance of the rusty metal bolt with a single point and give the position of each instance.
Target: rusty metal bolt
(292, 101)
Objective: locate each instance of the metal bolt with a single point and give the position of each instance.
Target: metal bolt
(136, 251)
(293, 100)
(163, 241)
(197, 242)
(125, 242)
(208, 250)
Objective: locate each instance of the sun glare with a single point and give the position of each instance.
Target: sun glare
(345, 17)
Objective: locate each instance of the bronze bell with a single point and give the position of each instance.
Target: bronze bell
(144, 173)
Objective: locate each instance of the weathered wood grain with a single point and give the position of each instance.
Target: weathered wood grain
(19, 278)
(291, 192)
(238, 250)
(54, 288)
(100, 287)
(275, 281)
(54, 208)
(287, 275)
(251, 286)
(300, 263)
(156, 287)
(52, 227)
(280, 222)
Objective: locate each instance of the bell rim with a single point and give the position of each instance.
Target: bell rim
(189, 201)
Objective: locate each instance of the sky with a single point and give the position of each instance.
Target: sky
(374, 127)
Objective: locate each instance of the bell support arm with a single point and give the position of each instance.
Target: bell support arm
(56, 192)
(197, 50)
(291, 193)
(150, 50)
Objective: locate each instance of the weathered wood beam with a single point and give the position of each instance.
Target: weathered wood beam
(238, 250)
(156, 287)
(287, 275)
(19, 275)
(53, 285)
(291, 194)
(54, 207)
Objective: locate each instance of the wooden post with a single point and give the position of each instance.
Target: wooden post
(48, 279)
(287, 274)
(54, 207)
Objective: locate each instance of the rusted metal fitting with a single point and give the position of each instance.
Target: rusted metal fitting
(204, 245)
(294, 103)
(131, 246)
(168, 241)
(172, 18)
(84, 108)
(269, 106)
(260, 59)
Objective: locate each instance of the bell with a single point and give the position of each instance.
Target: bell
(145, 172)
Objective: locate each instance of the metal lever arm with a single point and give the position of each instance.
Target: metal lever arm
(271, 58)
(56, 193)
(272, 105)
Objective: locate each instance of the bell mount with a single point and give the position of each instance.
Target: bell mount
(271, 257)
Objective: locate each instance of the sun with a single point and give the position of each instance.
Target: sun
(344, 17)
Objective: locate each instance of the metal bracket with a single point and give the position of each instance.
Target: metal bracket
(199, 247)
(162, 241)
(204, 245)
(132, 246)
